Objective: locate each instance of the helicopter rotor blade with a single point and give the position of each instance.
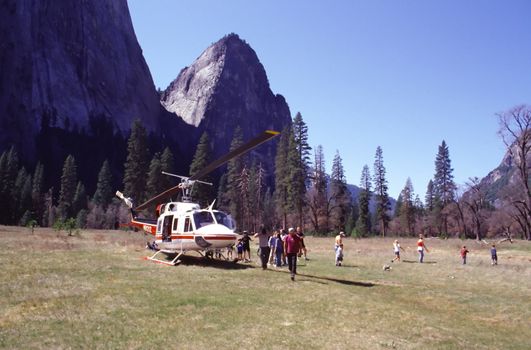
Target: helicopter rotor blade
(265, 136)
(159, 197)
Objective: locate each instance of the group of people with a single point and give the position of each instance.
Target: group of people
(421, 248)
(282, 247)
(278, 248)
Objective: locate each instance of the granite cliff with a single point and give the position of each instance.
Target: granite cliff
(224, 88)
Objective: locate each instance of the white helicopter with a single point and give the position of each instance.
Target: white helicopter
(183, 226)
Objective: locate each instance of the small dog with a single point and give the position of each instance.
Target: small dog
(386, 267)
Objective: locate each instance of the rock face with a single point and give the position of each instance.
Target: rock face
(70, 61)
(497, 182)
(224, 88)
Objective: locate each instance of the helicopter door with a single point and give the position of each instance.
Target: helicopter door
(166, 228)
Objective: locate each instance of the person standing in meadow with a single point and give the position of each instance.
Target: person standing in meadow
(292, 245)
(464, 252)
(396, 249)
(494, 255)
(303, 246)
(278, 248)
(263, 243)
(421, 246)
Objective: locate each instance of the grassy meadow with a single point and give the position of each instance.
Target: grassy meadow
(95, 290)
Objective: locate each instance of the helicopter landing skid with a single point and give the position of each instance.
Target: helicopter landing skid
(174, 262)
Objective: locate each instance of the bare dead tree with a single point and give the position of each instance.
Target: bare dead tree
(476, 203)
(515, 131)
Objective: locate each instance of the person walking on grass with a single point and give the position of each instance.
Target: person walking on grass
(421, 247)
(464, 252)
(292, 245)
(494, 255)
(278, 248)
(396, 249)
(271, 244)
(303, 246)
(263, 243)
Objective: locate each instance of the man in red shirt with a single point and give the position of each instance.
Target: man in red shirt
(292, 245)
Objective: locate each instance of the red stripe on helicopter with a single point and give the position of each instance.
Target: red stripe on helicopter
(206, 237)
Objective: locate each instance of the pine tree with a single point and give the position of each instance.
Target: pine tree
(104, 190)
(282, 176)
(318, 201)
(234, 170)
(202, 193)
(383, 204)
(443, 185)
(300, 165)
(363, 225)
(68, 187)
(21, 195)
(407, 209)
(9, 167)
(37, 196)
(340, 195)
(80, 199)
(155, 177)
(167, 162)
(137, 164)
(430, 197)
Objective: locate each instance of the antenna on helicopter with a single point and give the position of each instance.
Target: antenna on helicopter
(187, 182)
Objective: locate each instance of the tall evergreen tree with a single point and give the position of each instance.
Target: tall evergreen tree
(68, 187)
(21, 195)
(443, 182)
(443, 185)
(383, 205)
(37, 195)
(155, 177)
(318, 200)
(202, 193)
(430, 197)
(9, 167)
(363, 225)
(300, 162)
(80, 199)
(104, 190)
(340, 195)
(407, 209)
(137, 164)
(282, 176)
(234, 171)
(167, 162)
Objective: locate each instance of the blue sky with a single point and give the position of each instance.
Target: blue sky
(403, 75)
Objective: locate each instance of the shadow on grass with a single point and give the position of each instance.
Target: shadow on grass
(321, 279)
(189, 260)
(416, 262)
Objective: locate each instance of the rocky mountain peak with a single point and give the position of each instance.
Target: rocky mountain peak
(231, 63)
(225, 88)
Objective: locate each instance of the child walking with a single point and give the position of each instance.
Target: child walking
(421, 247)
(494, 255)
(464, 252)
(396, 249)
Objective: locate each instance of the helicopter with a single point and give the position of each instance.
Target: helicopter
(182, 226)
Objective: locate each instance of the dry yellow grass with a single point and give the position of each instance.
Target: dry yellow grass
(95, 291)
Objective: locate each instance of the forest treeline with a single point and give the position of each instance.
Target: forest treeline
(300, 192)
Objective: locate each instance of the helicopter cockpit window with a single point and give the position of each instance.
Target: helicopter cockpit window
(224, 219)
(203, 218)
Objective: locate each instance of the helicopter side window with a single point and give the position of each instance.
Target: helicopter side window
(225, 220)
(175, 223)
(203, 218)
(187, 226)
